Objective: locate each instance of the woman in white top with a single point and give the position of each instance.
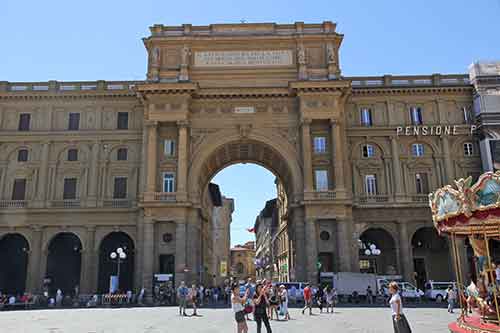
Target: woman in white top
(237, 304)
(399, 321)
(330, 298)
(284, 302)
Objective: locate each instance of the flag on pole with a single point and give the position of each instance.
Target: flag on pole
(251, 230)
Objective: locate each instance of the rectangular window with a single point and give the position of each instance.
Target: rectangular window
(468, 149)
(72, 155)
(19, 189)
(319, 144)
(371, 184)
(168, 182)
(122, 120)
(121, 154)
(69, 192)
(74, 122)
(368, 151)
(169, 147)
(24, 122)
(417, 149)
(321, 180)
(366, 117)
(416, 115)
(22, 155)
(421, 183)
(120, 188)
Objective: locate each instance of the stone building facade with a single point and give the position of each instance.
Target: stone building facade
(89, 166)
(265, 230)
(243, 262)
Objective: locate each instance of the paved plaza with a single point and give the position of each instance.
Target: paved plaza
(162, 319)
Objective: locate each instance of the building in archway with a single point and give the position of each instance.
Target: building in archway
(243, 262)
(356, 156)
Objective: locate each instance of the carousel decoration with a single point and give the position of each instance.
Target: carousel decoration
(472, 211)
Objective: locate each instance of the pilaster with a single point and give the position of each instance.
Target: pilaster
(396, 166)
(311, 249)
(183, 147)
(34, 282)
(152, 129)
(306, 155)
(93, 176)
(338, 158)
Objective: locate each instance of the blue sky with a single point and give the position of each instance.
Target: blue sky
(96, 39)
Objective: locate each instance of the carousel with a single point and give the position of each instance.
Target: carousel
(472, 212)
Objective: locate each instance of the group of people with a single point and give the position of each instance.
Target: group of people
(321, 296)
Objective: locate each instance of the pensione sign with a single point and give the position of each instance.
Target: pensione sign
(434, 130)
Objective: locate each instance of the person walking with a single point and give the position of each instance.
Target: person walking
(261, 302)
(399, 321)
(273, 302)
(451, 296)
(330, 298)
(369, 295)
(193, 298)
(284, 302)
(182, 294)
(320, 299)
(307, 299)
(202, 294)
(237, 304)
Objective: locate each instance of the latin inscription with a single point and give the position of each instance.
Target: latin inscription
(243, 58)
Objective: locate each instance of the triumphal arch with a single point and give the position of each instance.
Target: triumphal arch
(248, 93)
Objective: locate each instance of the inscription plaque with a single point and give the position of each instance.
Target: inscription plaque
(243, 58)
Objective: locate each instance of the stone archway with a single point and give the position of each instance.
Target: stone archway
(14, 250)
(64, 262)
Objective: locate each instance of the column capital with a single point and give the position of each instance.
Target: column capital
(306, 121)
(90, 228)
(37, 228)
(183, 123)
(150, 123)
(334, 122)
(46, 142)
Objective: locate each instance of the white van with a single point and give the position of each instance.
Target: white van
(408, 290)
(437, 290)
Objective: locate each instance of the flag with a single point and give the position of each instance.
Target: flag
(251, 230)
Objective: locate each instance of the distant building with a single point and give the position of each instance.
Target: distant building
(243, 261)
(265, 230)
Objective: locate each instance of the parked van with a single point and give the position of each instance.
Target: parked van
(436, 291)
(408, 290)
(299, 289)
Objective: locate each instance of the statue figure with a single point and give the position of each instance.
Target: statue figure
(185, 55)
(155, 56)
(330, 52)
(301, 55)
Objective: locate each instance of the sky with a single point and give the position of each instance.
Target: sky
(101, 40)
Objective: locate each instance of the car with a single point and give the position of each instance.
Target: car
(437, 290)
(408, 290)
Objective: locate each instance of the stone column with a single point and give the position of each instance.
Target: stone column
(448, 167)
(182, 161)
(43, 175)
(93, 175)
(34, 283)
(148, 243)
(180, 252)
(193, 246)
(338, 155)
(344, 240)
(405, 252)
(89, 262)
(396, 166)
(300, 245)
(311, 250)
(152, 155)
(306, 155)
(138, 251)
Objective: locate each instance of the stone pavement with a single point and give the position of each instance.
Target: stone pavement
(156, 320)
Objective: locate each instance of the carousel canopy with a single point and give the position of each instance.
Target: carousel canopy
(468, 208)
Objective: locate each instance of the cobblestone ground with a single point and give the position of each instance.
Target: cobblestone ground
(156, 320)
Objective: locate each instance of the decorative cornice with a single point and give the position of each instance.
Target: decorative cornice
(167, 88)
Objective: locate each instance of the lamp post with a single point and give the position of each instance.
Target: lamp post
(119, 255)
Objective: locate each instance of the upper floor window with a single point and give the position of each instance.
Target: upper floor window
(121, 154)
(69, 191)
(22, 155)
(120, 188)
(168, 182)
(416, 115)
(321, 180)
(366, 117)
(169, 147)
(74, 122)
(468, 119)
(368, 150)
(371, 184)
(468, 149)
(421, 183)
(319, 144)
(24, 122)
(72, 154)
(417, 149)
(122, 120)
(19, 189)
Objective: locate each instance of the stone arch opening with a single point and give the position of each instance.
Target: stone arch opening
(14, 249)
(64, 262)
(109, 267)
(430, 256)
(382, 262)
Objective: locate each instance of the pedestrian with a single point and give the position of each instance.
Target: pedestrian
(307, 299)
(399, 322)
(330, 298)
(273, 302)
(497, 273)
(249, 288)
(284, 302)
(451, 296)
(320, 299)
(215, 295)
(193, 298)
(202, 294)
(237, 304)
(59, 297)
(293, 295)
(369, 295)
(182, 294)
(261, 302)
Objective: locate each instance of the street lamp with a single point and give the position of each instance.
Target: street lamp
(119, 255)
(369, 249)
